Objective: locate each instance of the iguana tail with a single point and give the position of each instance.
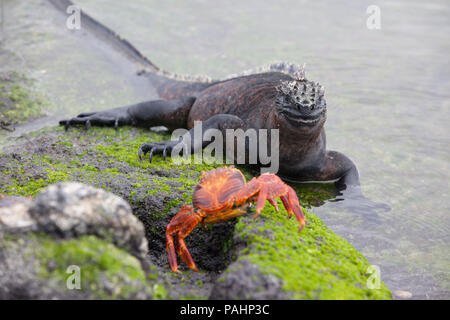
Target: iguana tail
(168, 85)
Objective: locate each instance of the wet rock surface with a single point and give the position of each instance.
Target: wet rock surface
(19, 275)
(119, 205)
(244, 280)
(78, 215)
(19, 102)
(153, 193)
(70, 210)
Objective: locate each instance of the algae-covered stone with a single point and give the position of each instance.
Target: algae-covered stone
(313, 264)
(73, 228)
(241, 258)
(18, 101)
(36, 266)
(244, 280)
(71, 209)
(106, 159)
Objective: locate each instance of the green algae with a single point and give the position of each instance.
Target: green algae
(107, 159)
(313, 264)
(108, 150)
(96, 259)
(18, 101)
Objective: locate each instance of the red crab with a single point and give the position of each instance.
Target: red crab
(221, 195)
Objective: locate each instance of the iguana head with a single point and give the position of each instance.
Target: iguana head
(301, 102)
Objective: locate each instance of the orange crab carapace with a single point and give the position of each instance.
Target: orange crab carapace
(223, 194)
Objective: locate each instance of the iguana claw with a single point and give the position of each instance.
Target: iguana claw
(160, 147)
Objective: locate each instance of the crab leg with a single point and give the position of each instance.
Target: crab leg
(250, 190)
(189, 224)
(185, 255)
(171, 252)
(286, 204)
(274, 203)
(288, 196)
(295, 207)
(181, 225)
(261, 202)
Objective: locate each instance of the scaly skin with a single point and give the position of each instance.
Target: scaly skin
(247, 102)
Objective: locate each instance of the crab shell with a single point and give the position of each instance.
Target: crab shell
(217, 190)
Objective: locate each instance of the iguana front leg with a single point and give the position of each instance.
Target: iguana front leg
(220, 122)
(169, 113)
(113, 117)
(336, 166)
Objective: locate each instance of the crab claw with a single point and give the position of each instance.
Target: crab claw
(180, 227)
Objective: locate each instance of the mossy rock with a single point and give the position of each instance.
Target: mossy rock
(82, 268)
(19, 102)
(315, 264)
(107, 159)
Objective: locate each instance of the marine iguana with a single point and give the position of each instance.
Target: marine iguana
(276, 97)
(267, 100)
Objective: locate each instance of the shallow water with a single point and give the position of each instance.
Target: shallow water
(72, 69)
(387, 93)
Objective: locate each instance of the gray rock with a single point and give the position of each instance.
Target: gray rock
(402, 294)
(244, 280)
(62, 212)
(14, 215)
(19, 274)
(70, 209)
